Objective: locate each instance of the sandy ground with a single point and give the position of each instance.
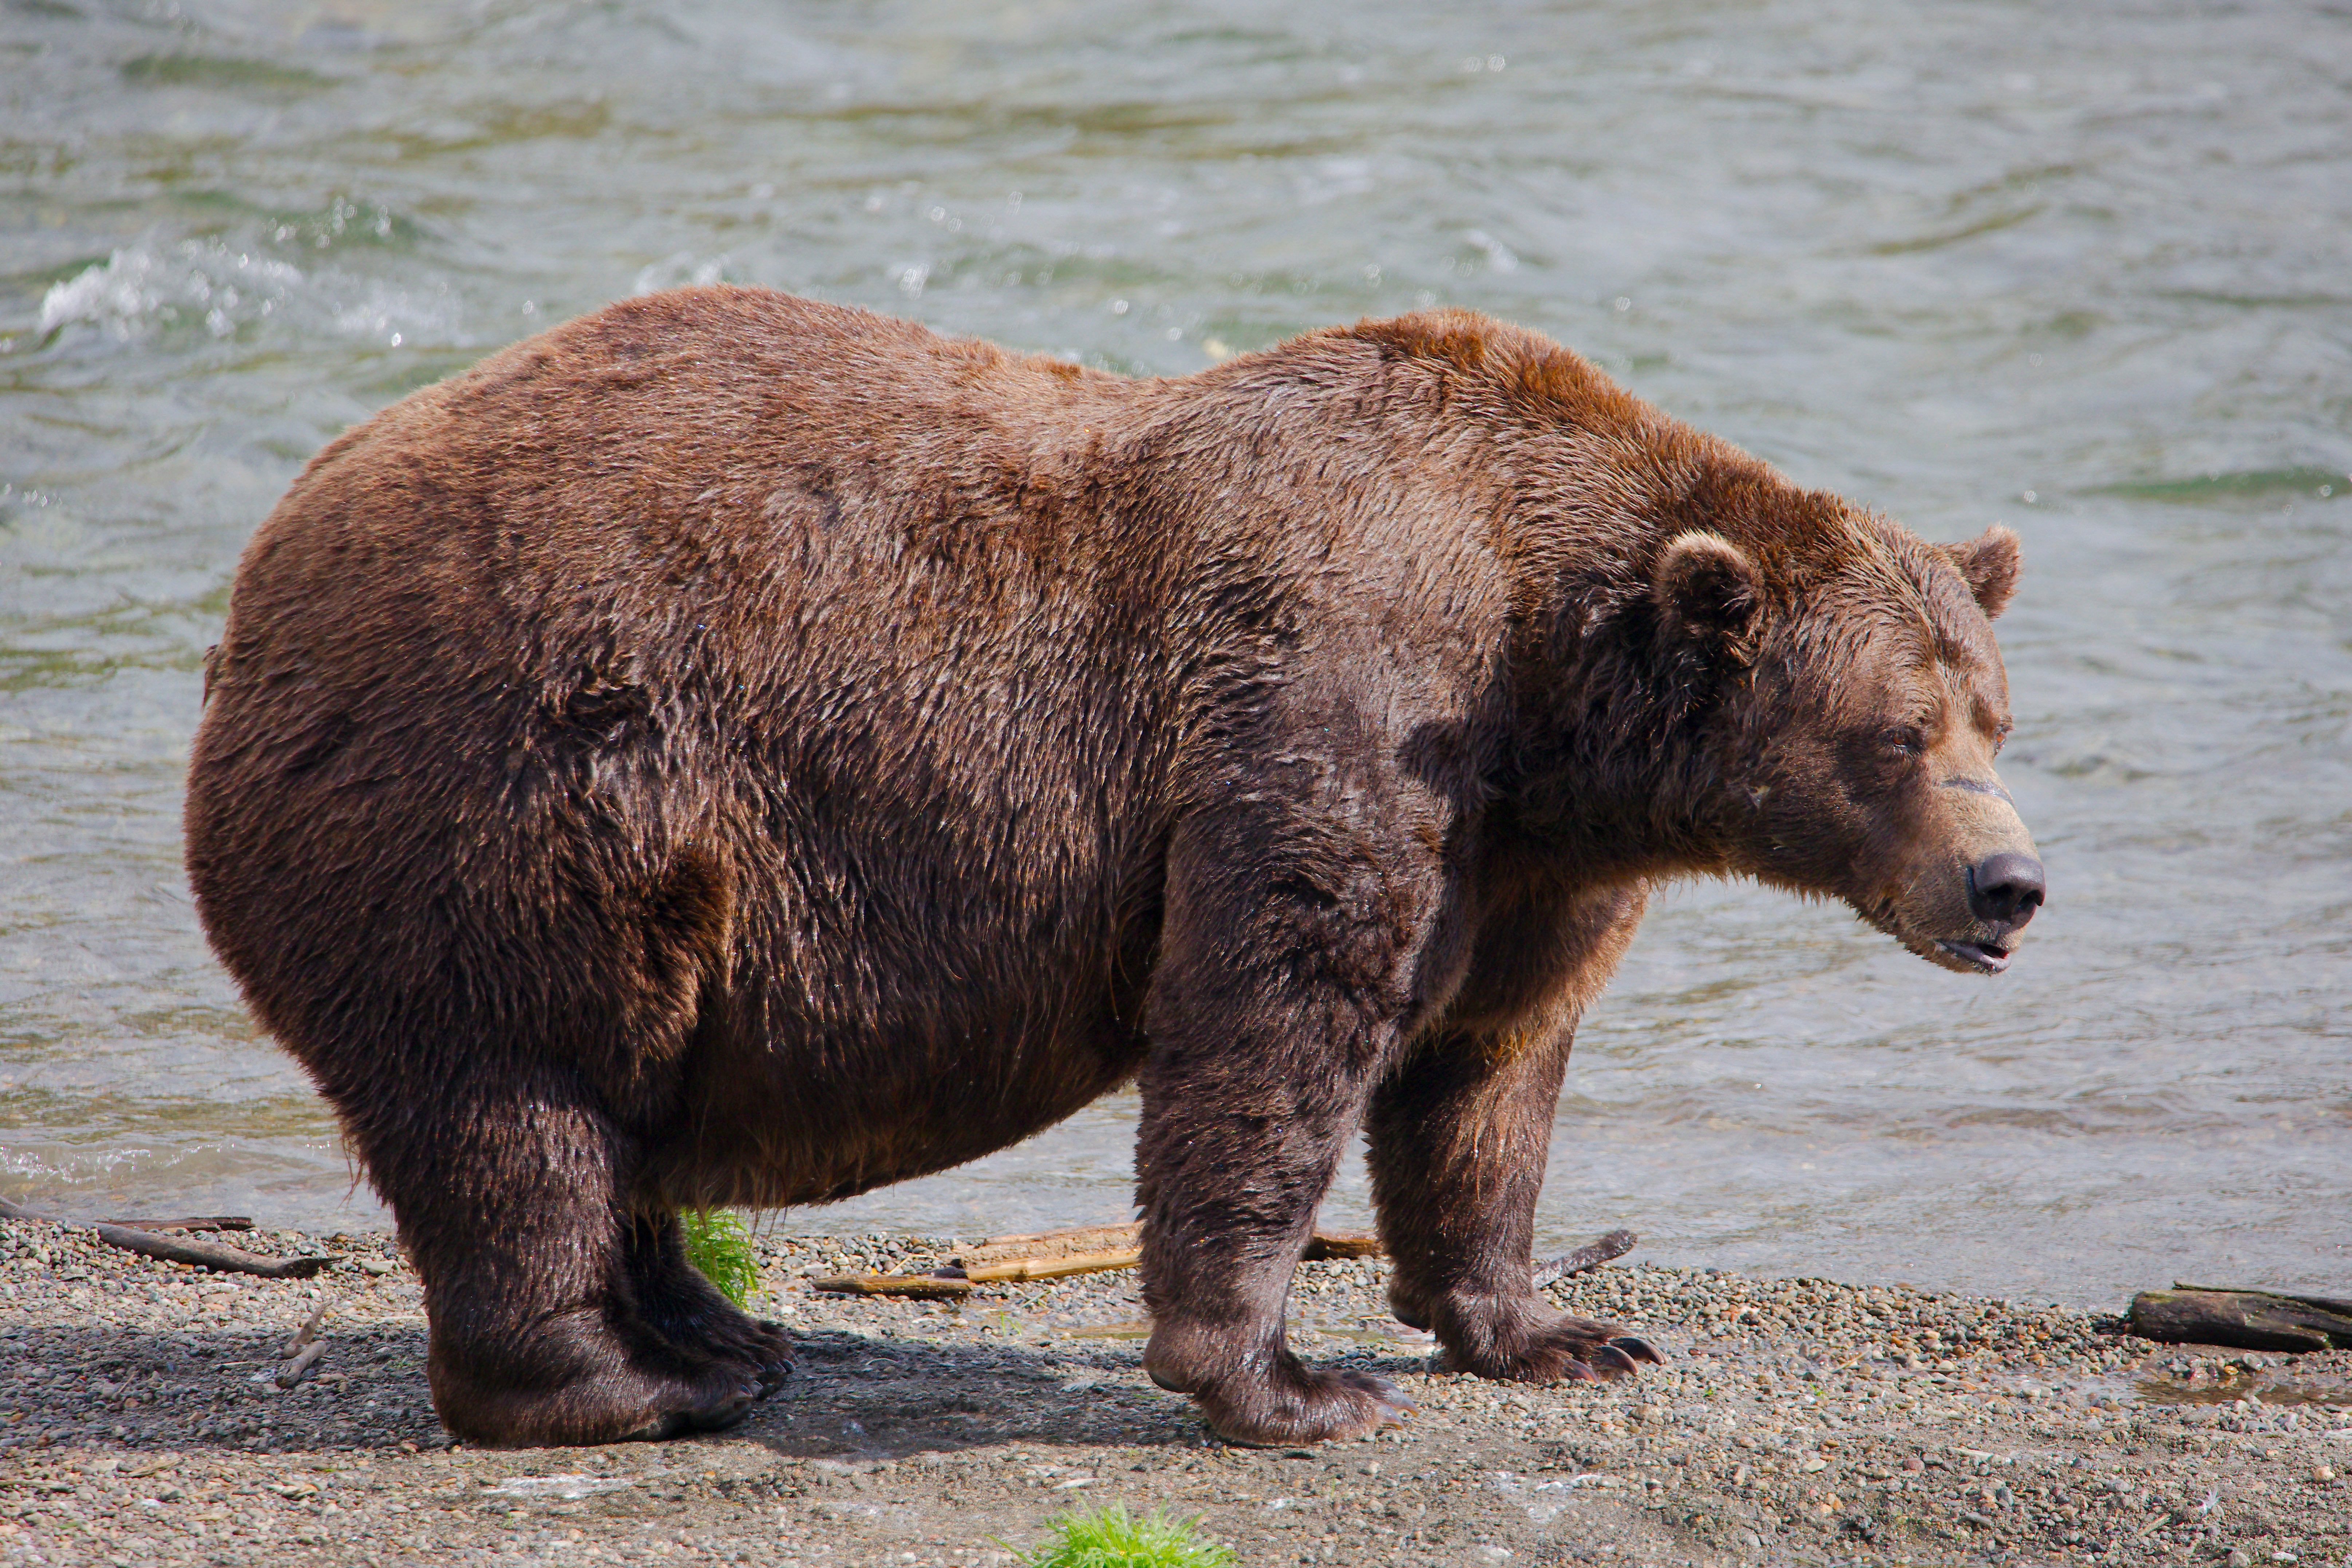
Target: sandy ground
(1797, 1422)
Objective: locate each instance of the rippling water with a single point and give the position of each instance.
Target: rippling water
(2083, 273)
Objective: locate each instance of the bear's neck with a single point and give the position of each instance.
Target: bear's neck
(1610, 769)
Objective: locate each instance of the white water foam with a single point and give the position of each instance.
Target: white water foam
(145, 288)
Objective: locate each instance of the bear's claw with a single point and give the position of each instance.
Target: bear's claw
(1612, 1362)
(716, 1416)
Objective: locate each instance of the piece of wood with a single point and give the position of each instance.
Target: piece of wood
(1050, 1244)
(191, 1221)
(210, 1255)
(1052, 1255)
(1108, 1239)
(1592, 1255)
(920, 1287)
(2248, 1320)
(1014, 1270)
(302, 1336)
(2324, 1304)
(301, 1364)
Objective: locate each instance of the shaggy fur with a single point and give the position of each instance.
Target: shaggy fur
(737, 750)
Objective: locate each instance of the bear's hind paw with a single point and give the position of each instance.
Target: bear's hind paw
(1307, 1405)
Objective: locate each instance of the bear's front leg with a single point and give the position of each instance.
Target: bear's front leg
(1268, 1021)
(1228, 1201)
(1459, 1138)
(1460, 1133)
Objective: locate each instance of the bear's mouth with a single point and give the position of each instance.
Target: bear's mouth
(1990, 957)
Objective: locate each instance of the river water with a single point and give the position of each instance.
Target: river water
(2083, 270)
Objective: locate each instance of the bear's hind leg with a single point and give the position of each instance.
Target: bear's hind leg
(513, 1210)
(686, 1309)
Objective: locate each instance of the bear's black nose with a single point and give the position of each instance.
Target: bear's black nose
(2007, 888)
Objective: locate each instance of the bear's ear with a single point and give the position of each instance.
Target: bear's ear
(1990, 563)
(1706, 586)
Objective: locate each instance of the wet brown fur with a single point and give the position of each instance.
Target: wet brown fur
(732, 748)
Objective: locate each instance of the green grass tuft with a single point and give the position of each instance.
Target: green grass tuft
(717, 1243)
(1107, 1538)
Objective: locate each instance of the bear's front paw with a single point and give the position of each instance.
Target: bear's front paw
(1526, 1341)
(1269, 1398)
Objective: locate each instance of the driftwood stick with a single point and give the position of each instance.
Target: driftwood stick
(2324, 1304)
(200, 1254)
(2249, 1320)
(920, 1287)
(1014, 1270)
(302, 1336)
(209, 1254)
(1592, 1255)
(1052, 1255)
(952, 1279)
(301, 1365)
(187, 1222)
(1109, 1239)
(1050, 1244)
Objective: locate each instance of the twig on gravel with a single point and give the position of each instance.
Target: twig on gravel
(190, 1222)
(1016, 1259)
(210, 1254)
(1015, 1270)
(301, 1365)
(1592, 1255)
(918, 1287)
(299, 1354)
(305, 1334)
(953, 1278)
(1050, 1244)
(201, 1254)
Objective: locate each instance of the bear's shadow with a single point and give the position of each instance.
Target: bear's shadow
(852, 1396)
(863, 1396)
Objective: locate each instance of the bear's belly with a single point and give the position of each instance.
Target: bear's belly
(889, 1062)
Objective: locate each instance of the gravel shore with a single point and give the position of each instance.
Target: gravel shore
(1796, 1422)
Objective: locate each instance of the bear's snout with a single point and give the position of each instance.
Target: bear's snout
(2006, 889)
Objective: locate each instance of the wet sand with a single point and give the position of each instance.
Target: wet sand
(1797, 1421)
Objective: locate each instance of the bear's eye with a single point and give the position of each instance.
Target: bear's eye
(1906, 740)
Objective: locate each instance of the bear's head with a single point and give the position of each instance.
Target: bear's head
(1860, 702)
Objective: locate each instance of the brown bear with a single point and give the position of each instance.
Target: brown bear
(737, 750)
